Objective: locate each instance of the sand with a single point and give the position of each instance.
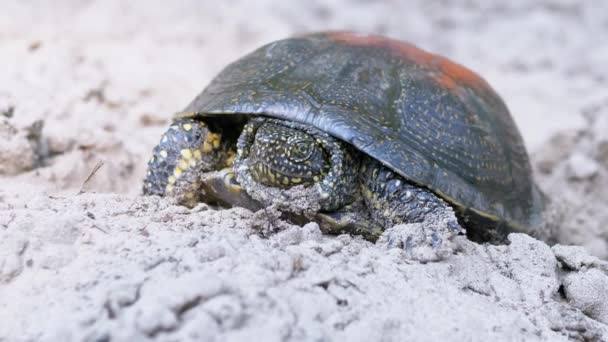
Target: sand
(97, 82)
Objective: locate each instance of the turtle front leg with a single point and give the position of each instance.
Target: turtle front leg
(394, 204)
(186, 150)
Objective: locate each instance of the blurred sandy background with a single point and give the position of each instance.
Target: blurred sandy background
(106, 76)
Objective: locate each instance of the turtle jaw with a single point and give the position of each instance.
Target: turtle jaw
(268, 175)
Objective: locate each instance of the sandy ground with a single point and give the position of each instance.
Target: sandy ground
(88, 82)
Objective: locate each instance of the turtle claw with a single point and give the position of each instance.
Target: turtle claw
(393, 241)
(408, 246)
(436, 240)
(453, 225)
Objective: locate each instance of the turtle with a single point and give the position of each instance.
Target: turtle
(365, 131)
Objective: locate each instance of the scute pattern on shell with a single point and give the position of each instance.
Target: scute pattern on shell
(431, 120)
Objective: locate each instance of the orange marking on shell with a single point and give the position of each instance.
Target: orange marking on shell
(448, 74)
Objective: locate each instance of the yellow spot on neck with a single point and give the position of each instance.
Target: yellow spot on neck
(206, 148)
(213, 139)
(183, 164)
(186, 153)
(230, 159)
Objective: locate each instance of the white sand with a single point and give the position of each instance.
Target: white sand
(105, 77)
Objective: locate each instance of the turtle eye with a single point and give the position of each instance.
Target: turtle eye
(301, 150)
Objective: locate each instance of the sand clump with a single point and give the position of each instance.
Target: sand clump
(574, 173)
(20, 148)
(122, 268)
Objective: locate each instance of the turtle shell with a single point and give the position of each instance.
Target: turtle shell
(433, 121)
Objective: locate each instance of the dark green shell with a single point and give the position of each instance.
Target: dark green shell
(431, 120)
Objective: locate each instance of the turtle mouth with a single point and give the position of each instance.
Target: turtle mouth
(267, 174)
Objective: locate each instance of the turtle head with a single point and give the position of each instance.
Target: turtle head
(279, 159)
(282, 157)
